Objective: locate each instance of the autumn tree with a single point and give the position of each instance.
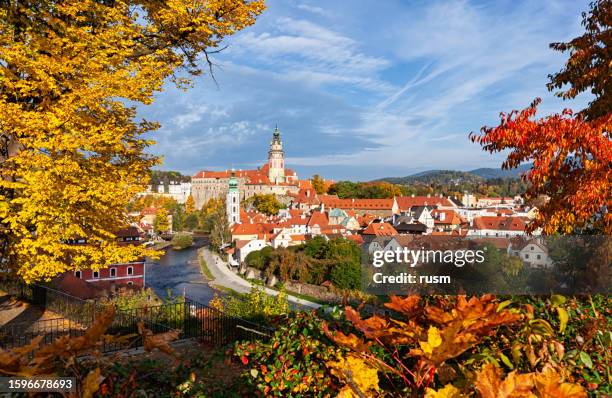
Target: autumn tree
(318, 184)
(266, 204)
(161, 223)
(189, 205)
(209, 210)
(72, 150)
(571, 152)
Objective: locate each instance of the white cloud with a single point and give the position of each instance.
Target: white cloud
(312, 9)
(196, 113)
(307, 52)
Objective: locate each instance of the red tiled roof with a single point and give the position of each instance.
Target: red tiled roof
(499, 223)
(259, 229)
(380, 229)
(450, 217)
(258, 176)
(406, 202)
(241, 243)
(148, 211)
(332, 201)
(318, 218)
(355, 238)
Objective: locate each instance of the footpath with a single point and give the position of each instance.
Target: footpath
(225, 277)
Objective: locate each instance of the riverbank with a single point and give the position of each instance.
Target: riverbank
(226, 278)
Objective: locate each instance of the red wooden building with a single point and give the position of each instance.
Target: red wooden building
(116, 275)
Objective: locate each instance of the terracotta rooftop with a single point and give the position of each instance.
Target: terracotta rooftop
(380, 229)
(406, 202)
(499, 223)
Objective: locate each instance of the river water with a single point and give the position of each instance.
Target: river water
(179, 271)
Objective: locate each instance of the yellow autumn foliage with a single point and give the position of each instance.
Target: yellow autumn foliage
(356, 374)
(72, 153)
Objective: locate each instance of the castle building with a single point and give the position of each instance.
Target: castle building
(271, 178)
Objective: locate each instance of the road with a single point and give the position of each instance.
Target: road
(226, 278)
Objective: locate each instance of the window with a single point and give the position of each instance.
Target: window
(130, 283)
(526, 255)
(130, 270)
(78, 274)
(531, 247)
(96, 274)
(113, 272)
(539, 257)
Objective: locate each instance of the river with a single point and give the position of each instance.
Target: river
(179, 271)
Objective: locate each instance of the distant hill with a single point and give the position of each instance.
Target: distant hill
(500, 173)
(457, 177)
(436, 177)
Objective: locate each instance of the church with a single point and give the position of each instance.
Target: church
(271, 178)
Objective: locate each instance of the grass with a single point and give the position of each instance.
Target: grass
(204, 268)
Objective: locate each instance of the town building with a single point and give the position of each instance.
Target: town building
(90, 284)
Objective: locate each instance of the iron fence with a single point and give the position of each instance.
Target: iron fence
(190, 318)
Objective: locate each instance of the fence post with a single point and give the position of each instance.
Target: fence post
(186, 313)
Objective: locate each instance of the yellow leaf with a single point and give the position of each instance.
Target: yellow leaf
(449, 391)
(433, 340)
(92, 383)
(563, 319)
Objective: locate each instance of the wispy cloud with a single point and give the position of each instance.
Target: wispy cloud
(308, 52)
(196, 113)
(312, 9)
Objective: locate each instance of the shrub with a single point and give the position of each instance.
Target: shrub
(292, 363)
(255, 306)
(346, 275)
(181, 241)
(259, 259)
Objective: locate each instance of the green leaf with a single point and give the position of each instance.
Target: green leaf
(558, 299)
(503, 305)
(506, 360)
(563, 318)
(586, 359)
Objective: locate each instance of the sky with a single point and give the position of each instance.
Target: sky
(367, 89)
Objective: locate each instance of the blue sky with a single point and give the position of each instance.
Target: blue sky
(367, 89)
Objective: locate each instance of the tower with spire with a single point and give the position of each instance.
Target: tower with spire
(232, 200)
(276, 159)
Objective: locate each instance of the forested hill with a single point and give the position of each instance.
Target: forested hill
(159, 177)
(458, 177)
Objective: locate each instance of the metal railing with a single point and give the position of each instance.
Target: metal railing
(192, 319)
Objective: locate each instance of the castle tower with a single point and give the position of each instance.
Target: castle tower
(276, 159)
(232, 201)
